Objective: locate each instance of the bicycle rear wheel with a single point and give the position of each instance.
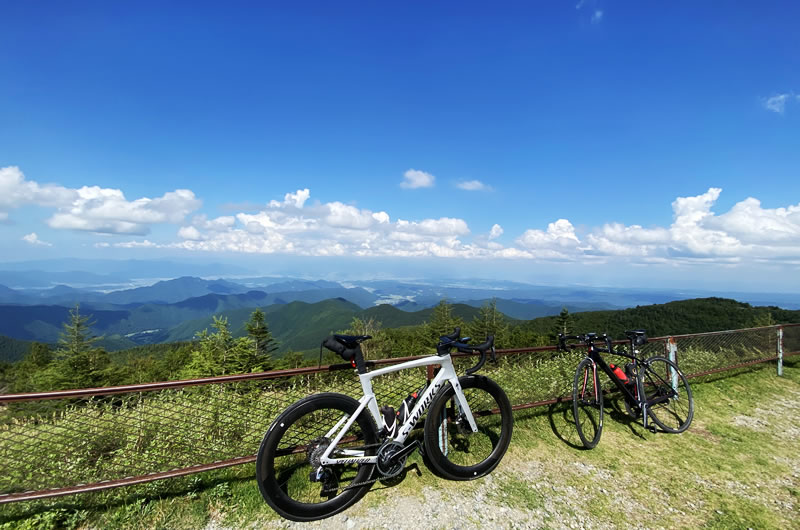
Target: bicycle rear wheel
(288, 459)
(665, 383)
(587, 403)
(452, 450)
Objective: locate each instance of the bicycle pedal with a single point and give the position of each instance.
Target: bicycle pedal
(651, 428)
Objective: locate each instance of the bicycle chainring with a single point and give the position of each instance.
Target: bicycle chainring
(389, 466)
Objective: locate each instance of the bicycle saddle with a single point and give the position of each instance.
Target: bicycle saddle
(639, 336)
(351, 341)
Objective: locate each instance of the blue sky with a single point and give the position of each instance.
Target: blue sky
(590, 142)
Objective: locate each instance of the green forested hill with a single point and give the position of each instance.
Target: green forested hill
(12, 350)
(391, 317)
(302, 326)
(685, 316)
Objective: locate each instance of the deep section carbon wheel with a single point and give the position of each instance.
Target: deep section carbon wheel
(288, 469)
(452, 450)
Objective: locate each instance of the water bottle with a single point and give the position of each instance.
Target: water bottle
(619, 373)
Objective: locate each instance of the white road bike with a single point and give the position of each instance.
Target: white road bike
(324, 452)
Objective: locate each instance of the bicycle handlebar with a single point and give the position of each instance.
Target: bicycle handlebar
(586, 338)
(453, 340)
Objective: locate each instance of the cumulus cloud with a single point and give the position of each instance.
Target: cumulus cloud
(413, 179)
(296, 225)
(557, 242)
(34, 240)
(697, 234)
(333, 228)
(16, 191)
(94, 209)
(108, 211)
(746, 231)
(472, 185)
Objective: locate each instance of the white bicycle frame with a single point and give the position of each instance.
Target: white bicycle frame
(368, 402)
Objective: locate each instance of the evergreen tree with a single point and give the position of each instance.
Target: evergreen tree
(442, 323)
(80, 363)
(40, 355)
(257, 328)
(219, 353)
(564, 324)
(490, 321)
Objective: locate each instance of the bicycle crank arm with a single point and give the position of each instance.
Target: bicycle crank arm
(407, 450)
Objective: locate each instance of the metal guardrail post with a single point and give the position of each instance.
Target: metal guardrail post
(780, 350)
(672, 349)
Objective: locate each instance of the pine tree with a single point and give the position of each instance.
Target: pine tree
(80, 363)
(563, 324)
(489, 321)
(442, 323)
(257, 328)
(264, 344)
(40, 355)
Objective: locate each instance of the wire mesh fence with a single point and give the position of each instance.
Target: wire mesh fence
(76, 441)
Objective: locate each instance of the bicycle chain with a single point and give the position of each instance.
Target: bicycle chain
(370, 480)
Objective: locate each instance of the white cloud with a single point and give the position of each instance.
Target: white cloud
(472, 185)
(417, 179)
(597, 16)
(92, 208)
(746, 231)
(190, 232)
(131, 244)
(558, 242)
(296, 199)
(344, 216)
(108, 211)
(496, 231)
(777, 103)
(33, 239)
(16, 191)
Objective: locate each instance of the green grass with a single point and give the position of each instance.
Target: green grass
(736, 467)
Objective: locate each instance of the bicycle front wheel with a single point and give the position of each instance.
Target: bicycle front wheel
(587, 403)
(453, 451)
(667, 389)
(288, 471)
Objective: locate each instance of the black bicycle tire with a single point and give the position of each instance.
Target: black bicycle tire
(576, 403)
(437, 460)
(271, 490)
(683, 382)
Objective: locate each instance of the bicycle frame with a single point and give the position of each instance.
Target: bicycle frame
(446, 374)
(594, 352)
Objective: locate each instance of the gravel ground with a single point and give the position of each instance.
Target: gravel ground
(534, 489)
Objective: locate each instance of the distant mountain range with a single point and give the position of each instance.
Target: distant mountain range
(129, 309)
(299, 326)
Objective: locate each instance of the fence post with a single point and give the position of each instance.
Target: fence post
(780, 350)
(672, 348)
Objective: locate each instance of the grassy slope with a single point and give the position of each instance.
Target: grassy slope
(736, 467)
